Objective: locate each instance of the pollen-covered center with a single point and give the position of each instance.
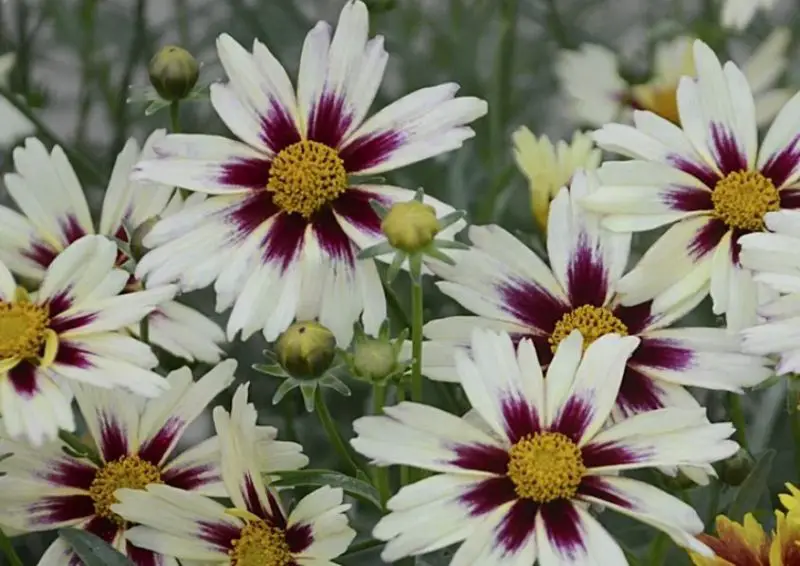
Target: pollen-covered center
(742, 199)
(260, 544)
(23, 329)
(305, 176)
(546, 466)
(593, 322)
(128, 472)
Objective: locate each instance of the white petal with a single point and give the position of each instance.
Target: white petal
(185, 333)
(584, 543)
(79, 269)
(20, 240)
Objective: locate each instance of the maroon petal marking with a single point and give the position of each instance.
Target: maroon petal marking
(71, 229)
(532, 304)
(736, 246)
(142, 557)
(636, 318)
(782, 164)
(284, 240)
(481, 458)
(62, 324)
(156, 448)
(573, 418)
(688, 199)
(661, 353)
(71, 354)
(699, 171)
(598, 487)
(370, 150)
(278, 130)
(250, 173)
(220, 535)
(729, 154)
(354, 206)
(332, 238)
(69, 472)
(328, 120)
(276, 516)
(521, 419)
(299, 537)
(104, 528)
(247, 215)
(638, 393)
(790, 198)
(601, 454)
(59, 302)
(41, 253)
(562, 525)
(487, 495)
(251, 499)
(60, 509)
(191, 478)
(707, 238)
(113, 442)
(587, 276)
(518, 525)
(23, 380)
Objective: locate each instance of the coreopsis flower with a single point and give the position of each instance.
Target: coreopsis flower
(599, 94)
(747, 544)
(510, 288)
(15, 124)
(257, 530)
(737, 14)
(55, 214)
(516, 487)
(66, 332)
(709, 179)
(285, 221)
(137, 443)
(549, 166)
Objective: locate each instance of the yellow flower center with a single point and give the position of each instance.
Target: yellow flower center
(661, 100)
(128, 472)
(546, 466)
(593, 322)
(261, 545)
(23, 329)
(742, 199)
(305, 176)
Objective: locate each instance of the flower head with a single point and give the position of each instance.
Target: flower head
(281, 232)
(514, 482)
(709, 179)
(256, 531)
(306, 349)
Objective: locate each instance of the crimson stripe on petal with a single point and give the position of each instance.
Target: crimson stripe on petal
(481, 458)
(251, 498)
(518, 525)
(278, 130)
(276, 513)
(636, 318)
(790, 198)
(247, 215)
(371, 150)
(191, 477)
(599, 455)
(41, 254)
(250, 173)
(284, 240)
(220, 535)
(736, 246)
(299, 537)
(71, 229)
(354, 206)
(729, 154)
(106, 529)
(531, 304)
(23, 380)
(562, 525)
(487, 495)
(329, 120)
(688, 199)
(638, 393)
(157, 447)
(598, 487)
(707, 238)
(521, 419)
(780, 166)
(661, 353)
(142, 557)
(62, 324)
(332, 238)
(113, 442)
(59, 302)
(68, 472)
(587, 277)
(60, 509)
(71, 354)
(573, 418)
(699, 171)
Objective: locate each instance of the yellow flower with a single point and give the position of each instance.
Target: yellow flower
(549, 167)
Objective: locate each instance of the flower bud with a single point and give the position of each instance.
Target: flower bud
(374, 359)
(173, 72)
(410, 226)
(306, 349)
(734, 470)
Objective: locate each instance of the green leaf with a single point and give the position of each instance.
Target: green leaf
(750, 492)
(357, 488)
(93, 550)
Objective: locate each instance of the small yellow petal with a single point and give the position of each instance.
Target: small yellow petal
(50, 348)
(242, 514)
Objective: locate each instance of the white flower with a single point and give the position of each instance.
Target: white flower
(256, 530)
(56, 214)
(281, 232)
(775, 258)
(516, 488)
(549, 166)
(15, 124)
(67, 332)
(737, 14)
(510, 288)
(48, 489)
(710, 179)
(591, 78)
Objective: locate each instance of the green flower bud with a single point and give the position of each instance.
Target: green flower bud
(374, 359)
(410, 226)
(734, 470)
(306, 349)
(173, 72)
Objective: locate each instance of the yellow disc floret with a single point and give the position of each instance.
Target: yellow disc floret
(305, 176)
(260, 544)
(546, 466)
(23, 328)
(742, 199)
(593, 322)
(128, 472)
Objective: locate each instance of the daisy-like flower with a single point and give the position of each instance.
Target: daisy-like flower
(516, 488)
(67, 332)
(737, 14)
(48, 489)
(509, 288)
(549, 166)
(599, 94)
(709, 178)
(15, 124)
(47, 191)
(256, 531)
(281, 233)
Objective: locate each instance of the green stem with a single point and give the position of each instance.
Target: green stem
(380, 473)
(792, 400)
(713, 504)
(144, 330)
(333, 433)
(404, 470)
(416, 340)
(175, 116)
(658, 550)
(79, 447)
(736, 414)
(556, 25)
(8, 549)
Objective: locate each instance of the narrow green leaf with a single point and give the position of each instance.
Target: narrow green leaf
(93, 550)
(357, 488)
(753, 488)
